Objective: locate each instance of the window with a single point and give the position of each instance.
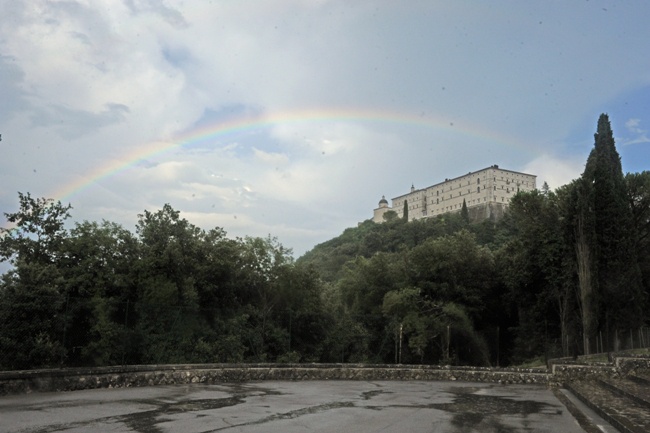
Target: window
(478, 180)
(478, 189)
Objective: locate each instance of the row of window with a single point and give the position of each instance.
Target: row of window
(460, 194)
(479, 189)
(450, 207)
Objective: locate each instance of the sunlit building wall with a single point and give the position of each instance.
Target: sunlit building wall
(486, 192)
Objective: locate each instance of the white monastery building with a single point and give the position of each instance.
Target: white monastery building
(486, 192)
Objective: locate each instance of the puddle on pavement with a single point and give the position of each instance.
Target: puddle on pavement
(472, 412)
(370, 394)
(145, 422)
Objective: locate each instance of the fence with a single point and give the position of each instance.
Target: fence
(619, 340)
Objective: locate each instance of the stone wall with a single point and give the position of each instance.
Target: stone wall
(567, 370)
(131, 376)
(559, 373)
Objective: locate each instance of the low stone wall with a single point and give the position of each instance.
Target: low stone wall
(566, 373)
(632, 364)
(132, 376)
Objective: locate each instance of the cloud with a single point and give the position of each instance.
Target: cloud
(639, 135)
(555, 171)
(157, 7)
(14, 98)
(271, 158)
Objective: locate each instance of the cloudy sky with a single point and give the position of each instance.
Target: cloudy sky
(293, 117)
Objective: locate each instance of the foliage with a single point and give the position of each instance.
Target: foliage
(604, 237)
(171, 293)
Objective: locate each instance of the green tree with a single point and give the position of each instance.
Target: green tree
(536, 266)
(426, 326)
(99, 273)
(32, 302)
(406, 211)
(264, 284)
(464, 213)
(605, 239)
(453, 269)
(168, 312)
(638, 188)
(362, 288)
(389, 215)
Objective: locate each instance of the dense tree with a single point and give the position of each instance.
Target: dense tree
(100, 287)
(425, 326)
(536, 267)
(638, 188)
(31, 294)
(608, 272)
(168, 311)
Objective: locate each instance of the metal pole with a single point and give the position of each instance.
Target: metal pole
(65, 323)
(448, 340)
(497, 346)
(401, 328)
(126, 329)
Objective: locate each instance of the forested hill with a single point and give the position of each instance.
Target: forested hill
(565, 272)
(396, 236)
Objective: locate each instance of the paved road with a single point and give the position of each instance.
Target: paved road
(320, 406)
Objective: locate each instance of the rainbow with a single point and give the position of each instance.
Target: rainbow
(251, 123)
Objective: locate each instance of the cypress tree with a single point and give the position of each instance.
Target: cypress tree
(464, 213)
(605, 222)
(406, 211)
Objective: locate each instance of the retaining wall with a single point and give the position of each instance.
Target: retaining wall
(131, 376)
(15, 382)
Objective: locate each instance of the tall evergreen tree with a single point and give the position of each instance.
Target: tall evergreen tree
(464, 213)
(604, 239)
(406, 211)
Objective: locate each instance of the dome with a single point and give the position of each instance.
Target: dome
(383, 202)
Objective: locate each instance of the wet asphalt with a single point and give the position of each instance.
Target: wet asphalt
(318, 406)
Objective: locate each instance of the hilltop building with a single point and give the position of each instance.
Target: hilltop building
(486, 192)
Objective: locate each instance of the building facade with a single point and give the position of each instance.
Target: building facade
(486, 192)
